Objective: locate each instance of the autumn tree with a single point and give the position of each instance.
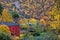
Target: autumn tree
(6, 16)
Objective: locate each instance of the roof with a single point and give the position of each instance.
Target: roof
(9, 23)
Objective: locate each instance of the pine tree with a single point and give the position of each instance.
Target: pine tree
(1, 9)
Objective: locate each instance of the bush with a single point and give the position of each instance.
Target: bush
(5, 36)
(48, 36)
(44, 36)
(5, 28)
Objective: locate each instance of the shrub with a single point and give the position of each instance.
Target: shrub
(44, 36)
(4, 28)
(5, 36)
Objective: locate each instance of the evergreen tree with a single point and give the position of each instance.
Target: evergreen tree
(1, 9)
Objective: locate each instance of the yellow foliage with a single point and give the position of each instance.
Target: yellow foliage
(48, 13)
(32, 20)
(16, 38)
(22, 35)
(54, 24)
(57, 17)
(42, 21)
(52, 11)
(25, 20)
(8, 4)
(21, 21)
(5, 28)
(6, 17)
